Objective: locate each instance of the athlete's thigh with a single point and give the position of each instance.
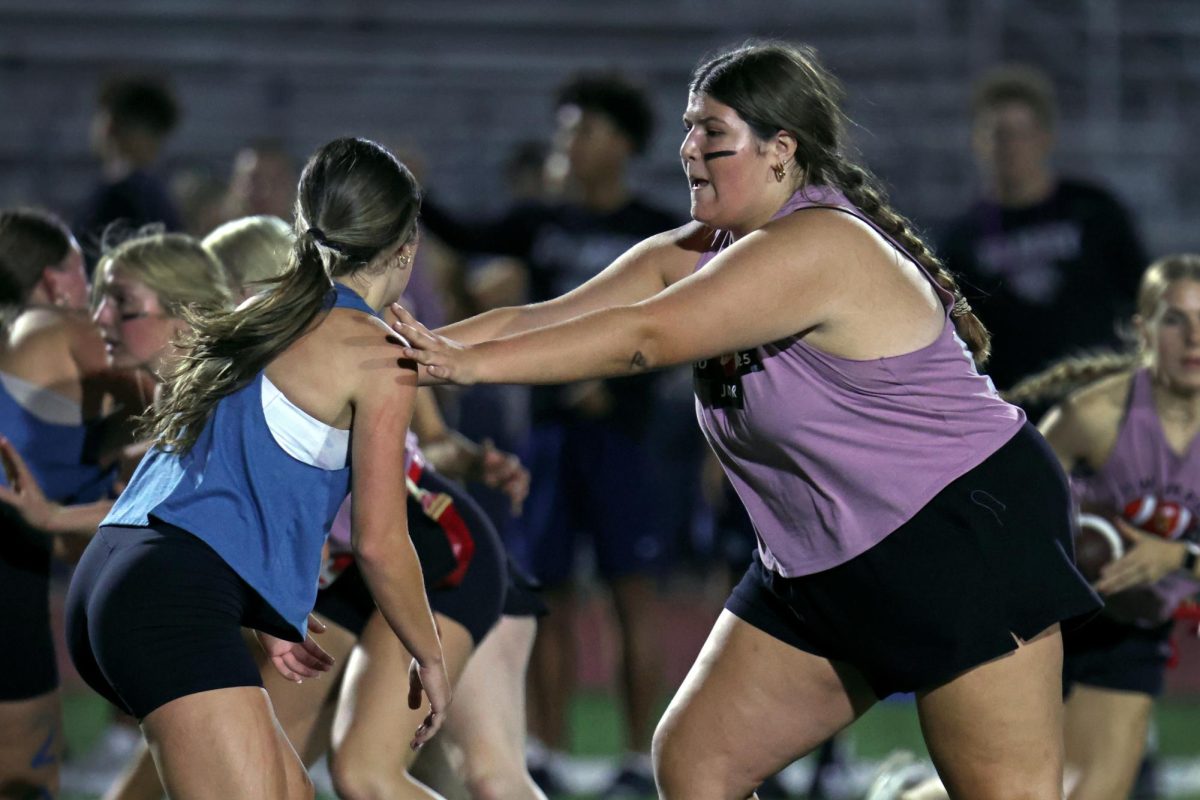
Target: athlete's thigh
(482, 746)
(750, 705)
(30, 745)
(223, 743)
(1105, 738)
(373, 723)
(488, 717)
(996, 730)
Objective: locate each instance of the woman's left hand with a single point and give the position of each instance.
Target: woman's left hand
(444, 360)
(1148, 559)
(298, 660)
(23, 493)
(504, 472)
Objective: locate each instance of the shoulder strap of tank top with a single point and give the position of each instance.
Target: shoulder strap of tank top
(1141, 394)
(345, 297)
(1135, 400)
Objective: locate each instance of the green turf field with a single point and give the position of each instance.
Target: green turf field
(595, 731)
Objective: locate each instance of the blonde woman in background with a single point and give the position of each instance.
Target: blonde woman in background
(1127, 430)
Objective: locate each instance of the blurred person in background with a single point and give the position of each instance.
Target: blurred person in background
(252, 250)
(134, 117)
(589, 440)
(200, 197)
(263, 182)
(55, 389)
(1049, 262)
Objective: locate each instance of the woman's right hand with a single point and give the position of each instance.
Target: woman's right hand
(433, 681)
(443, 360)
(23, 494)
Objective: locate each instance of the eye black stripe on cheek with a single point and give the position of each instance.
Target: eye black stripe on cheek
(719, 154)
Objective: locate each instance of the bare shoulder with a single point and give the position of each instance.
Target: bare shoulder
(369, 347)
(343, 359)
(823, 230)
(1101, 402)
(42, 343)
(1085, 424)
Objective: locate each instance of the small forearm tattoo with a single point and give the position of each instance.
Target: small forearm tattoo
(638, 361)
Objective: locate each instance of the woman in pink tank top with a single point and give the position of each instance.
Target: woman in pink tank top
(914, 530)
(1130, 437)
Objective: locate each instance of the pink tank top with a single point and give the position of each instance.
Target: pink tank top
(830, 455)
(1155, 489)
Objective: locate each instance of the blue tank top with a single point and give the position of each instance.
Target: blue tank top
(61, 456)
(241, 491)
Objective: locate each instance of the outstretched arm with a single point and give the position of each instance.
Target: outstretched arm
(642, 272)
(759, 290)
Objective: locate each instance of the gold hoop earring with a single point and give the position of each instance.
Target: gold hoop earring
(780, 172)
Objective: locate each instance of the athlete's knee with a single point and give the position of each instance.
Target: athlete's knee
(669, 752)
(687, 765)
(357, 778)
(497, 785)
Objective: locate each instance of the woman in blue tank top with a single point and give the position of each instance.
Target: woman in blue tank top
(914, 531)
(490, 690)
(221, 526)
(55, 387)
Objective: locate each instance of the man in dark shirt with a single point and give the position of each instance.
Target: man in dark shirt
(133, 118)
(1050, 264)
(588, 447)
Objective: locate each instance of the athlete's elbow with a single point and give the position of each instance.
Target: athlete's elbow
(652, 344)
(377, 549)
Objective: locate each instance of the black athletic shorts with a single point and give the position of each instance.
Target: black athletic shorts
(154, 614)
(31, 670)
(1113, 655)
(989, 557)
(475, 603)
(522, 594)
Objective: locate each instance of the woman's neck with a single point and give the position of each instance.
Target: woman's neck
(377, 292)
(761, 216)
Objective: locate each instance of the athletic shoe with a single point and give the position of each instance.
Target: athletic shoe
(629, 784)
(547, 779)
(898, 772)
(772, 789)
